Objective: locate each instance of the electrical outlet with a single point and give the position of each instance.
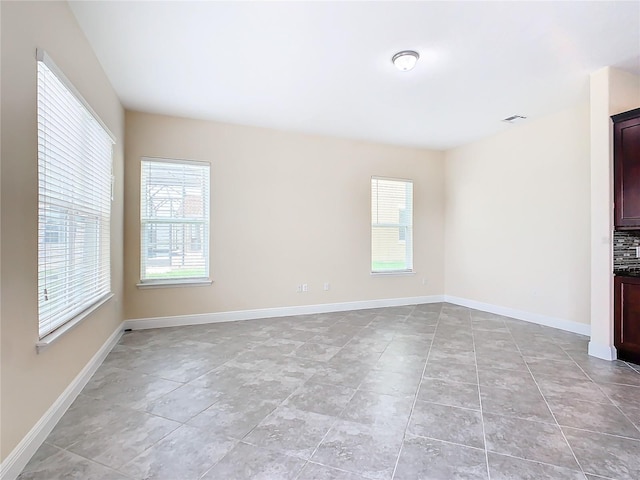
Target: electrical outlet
(305, 287)
(299, 289)
(326, 286)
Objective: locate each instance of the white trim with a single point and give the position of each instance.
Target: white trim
(232, 316)
(173, 283)
(391, 273)
(22, 453)
(43, 56)
(560, 323)
(605, 352)
(52, 337)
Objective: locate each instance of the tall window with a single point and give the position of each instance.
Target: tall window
(391, 225)
(174, 214)
(74, 202)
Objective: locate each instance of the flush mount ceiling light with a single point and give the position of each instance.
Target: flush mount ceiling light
(405, 60)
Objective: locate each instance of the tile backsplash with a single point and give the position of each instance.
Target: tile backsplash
(624, 251)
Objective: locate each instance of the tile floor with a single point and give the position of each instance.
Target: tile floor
(419, 392)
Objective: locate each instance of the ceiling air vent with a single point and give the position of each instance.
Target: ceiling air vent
(514, 119)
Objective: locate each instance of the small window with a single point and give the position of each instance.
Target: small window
(74, 202)
(174, 214)
(391, 225)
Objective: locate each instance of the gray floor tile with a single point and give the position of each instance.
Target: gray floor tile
(597, 417)
(314, 471)
(605, 455)
(65, 464)
(127, 388)
(234, 417)
(85, 416)
(291, 431)
(506, 360)
(268, 386)
(503, 467)
(183, 403)
(185, 454)
(316, 351)
(225, 379)
(135, 431)
(452, 355)
(540, 442)
(509, 379)
(360, 354)
(526, 403)
(319, 398)
(582, 389)
(455, 372)
(451, 424)
(248, 462)
(39, 458)
(363, 449)
(400, 363)
(465, 395)
(544, 366)
(379, 410)
(621, 394)
(229, 380)
(346, 375)
(428, 459)
(391, 383)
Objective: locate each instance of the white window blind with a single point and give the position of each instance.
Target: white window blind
(391, 225)
(174, 217)
(74, 202)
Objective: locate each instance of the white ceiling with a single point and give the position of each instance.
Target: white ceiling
(325, 67)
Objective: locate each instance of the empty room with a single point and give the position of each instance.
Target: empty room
(309, 240)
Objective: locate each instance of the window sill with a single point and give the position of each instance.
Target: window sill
(54, 336)
(174, 283)
(396, 273)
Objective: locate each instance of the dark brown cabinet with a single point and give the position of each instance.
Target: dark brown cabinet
(626, 328)
(626, 161)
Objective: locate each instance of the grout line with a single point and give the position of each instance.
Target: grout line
(612, 402)
(548, 406)
(484, 433)
(415, 398)
(337, 417)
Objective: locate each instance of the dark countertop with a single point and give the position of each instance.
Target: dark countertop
(627, 273)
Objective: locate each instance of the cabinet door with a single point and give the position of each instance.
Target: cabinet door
(627, 318)
(626, 147)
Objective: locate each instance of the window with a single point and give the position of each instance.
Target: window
(174, 217)
(74, 202)
(391, 225)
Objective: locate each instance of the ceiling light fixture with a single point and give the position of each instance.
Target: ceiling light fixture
(405, 60)
(514, 119)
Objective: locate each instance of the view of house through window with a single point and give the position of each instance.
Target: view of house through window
(391, 225)
(174, 215)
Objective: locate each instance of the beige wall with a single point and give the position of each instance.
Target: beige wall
(31, 382)
(611, 91)
(286, 209)
(517, 217)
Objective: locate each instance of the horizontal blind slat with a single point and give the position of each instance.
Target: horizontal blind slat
(391, 225)
(174, 212)
(74, 190)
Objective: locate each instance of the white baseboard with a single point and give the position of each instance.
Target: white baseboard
(562, 324)
(605, 352)
(177, 321)
(20, 456)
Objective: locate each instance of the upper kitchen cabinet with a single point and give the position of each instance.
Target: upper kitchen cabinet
(626, 161)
